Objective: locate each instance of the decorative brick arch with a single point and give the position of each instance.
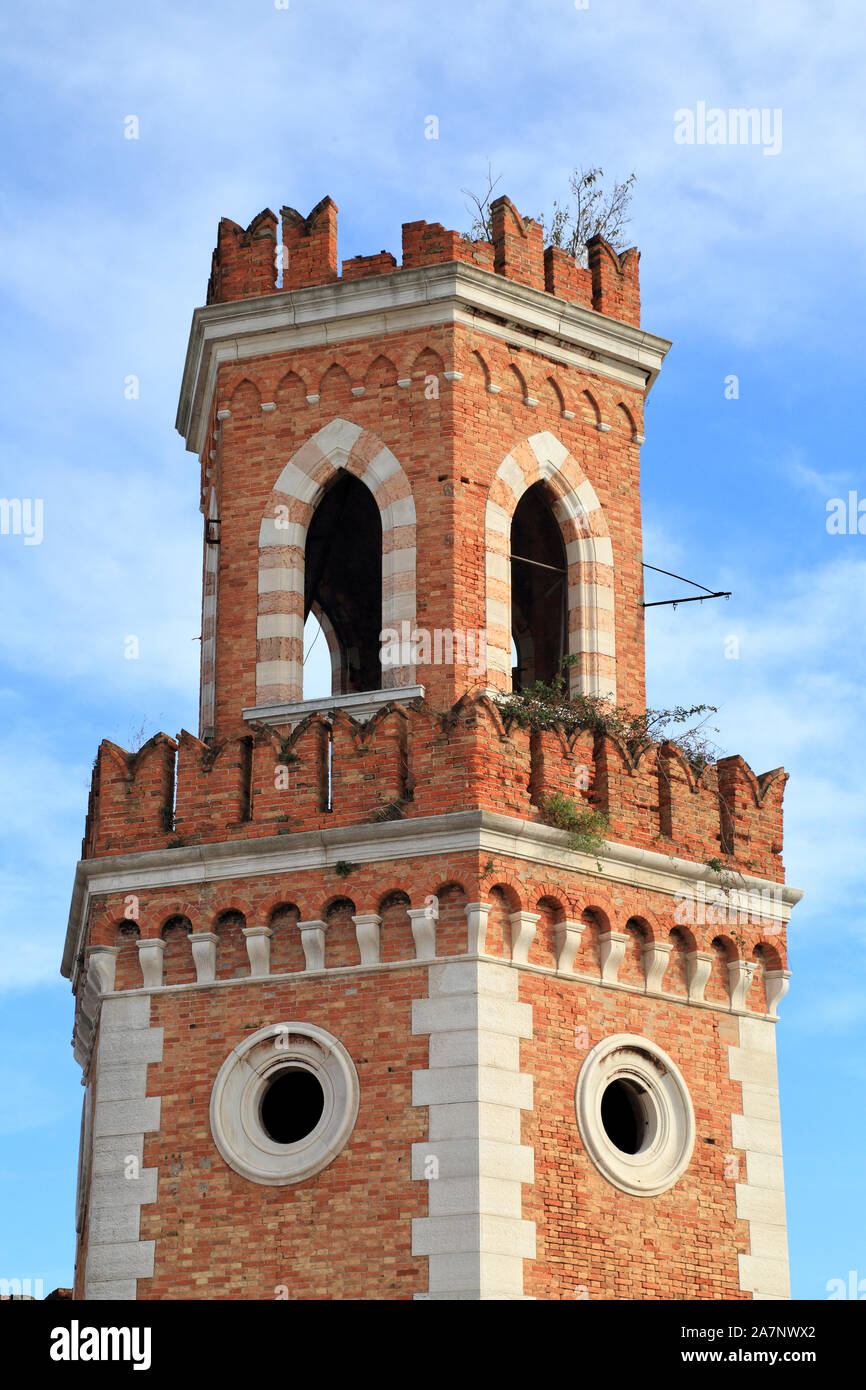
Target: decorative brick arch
(591, 617)
(282, 542)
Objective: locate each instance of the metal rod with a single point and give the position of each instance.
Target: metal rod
(695, 598)
(556, 568)
(671, 575)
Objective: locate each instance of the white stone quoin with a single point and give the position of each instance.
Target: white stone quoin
(473, 1161)
(760, 1195)
(123, 1113)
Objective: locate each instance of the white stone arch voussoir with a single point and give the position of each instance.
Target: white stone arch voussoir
(591, 612)
(282, 544)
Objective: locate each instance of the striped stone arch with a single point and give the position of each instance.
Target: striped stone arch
(591, 614)
(282, 543)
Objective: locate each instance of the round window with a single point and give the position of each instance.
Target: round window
(292, 1105)
(284, 1103)
(635, 1115)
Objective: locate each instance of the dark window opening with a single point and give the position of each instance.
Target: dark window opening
(329, 790)
(343, 578)
(292, 1105)
(539, 590)
(623, 1116)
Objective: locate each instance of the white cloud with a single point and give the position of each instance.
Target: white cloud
(824, 485)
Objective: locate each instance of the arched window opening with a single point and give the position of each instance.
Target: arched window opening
(343, 582)
(539, 590)
(318, 666)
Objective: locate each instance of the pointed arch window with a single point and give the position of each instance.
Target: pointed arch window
(539, 589)
(343, 582)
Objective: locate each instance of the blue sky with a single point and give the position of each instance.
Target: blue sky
(751, 263)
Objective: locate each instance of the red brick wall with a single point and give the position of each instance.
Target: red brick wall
(344, 1234)
(450, 447)
(592, 1239)
(680, 1245)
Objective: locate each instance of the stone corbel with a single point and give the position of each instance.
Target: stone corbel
(367, 928)
(612, 946)
(258, 941)
(204, 953)
(102, 963)
(476, 917)
(150, 953)
(423, 931)
(656, 955)
(776, 983)
(568, 935)
(523, 925)
(740, 973)
(313, 942)
(88, 1011)
(81, 1044)
(698, 967)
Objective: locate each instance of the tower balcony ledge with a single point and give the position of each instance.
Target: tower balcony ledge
(361, 704)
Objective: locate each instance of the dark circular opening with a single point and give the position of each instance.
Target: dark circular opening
(623, 1117)
(292, 1106)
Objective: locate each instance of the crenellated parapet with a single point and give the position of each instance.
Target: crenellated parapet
(408, 760)
(131, 795)
(272, 255)
(244, 260)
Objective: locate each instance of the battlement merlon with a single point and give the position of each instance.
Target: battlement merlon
(249, 261)
(409, 762)
(511, 287)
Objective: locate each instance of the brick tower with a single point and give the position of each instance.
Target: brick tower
(355, 1020)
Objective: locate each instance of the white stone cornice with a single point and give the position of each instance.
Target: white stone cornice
(413, 837)
(91, 1001)
(452, 292)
